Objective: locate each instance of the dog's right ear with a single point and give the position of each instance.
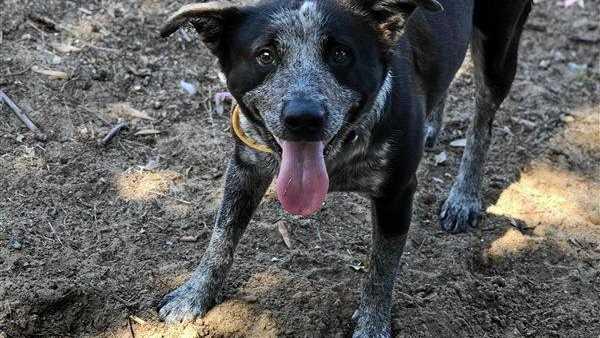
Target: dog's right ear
(210, 20)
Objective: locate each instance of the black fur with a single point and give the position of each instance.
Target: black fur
(378, 136)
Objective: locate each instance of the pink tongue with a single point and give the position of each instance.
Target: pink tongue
(302, 183)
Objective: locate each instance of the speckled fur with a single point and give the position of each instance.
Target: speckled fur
(359, 164)
(301, 71)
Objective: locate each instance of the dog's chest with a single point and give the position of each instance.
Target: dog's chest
(360, 169)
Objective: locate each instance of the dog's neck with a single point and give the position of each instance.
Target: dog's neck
(379, 105)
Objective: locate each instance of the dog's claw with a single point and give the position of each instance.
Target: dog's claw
(460, 213)
(183, 305)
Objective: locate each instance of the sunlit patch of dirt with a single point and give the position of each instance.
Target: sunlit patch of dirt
(583, 129)
(156, 330)
(555, 202)
(28, 161)
(235, 318)
(512, 242)
(146, 185)
(239, 317)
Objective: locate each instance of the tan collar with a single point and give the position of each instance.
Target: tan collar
(236, 126)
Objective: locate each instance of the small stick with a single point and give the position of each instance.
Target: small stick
(113, 133)
(171, 197)
(137, 320)
(39, 135)
(47, 22)
(19, 72)
(131, 327)
(55, 234)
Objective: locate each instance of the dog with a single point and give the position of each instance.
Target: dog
(347, 94)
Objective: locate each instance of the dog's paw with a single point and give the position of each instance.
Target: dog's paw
(185, 304)
(431, 135)
(460, 213)
(370, 326)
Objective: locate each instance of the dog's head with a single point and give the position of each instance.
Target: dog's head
(304, 72)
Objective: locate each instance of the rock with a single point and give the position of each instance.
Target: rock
(188, 87)
(441, 158)
(249, 299)
(576, 68)
(460, 143)
(567, 118)
(15, 244)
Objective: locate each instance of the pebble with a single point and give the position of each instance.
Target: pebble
(460, 143)
(441, 158)
(188, 87)
(558, 56)
(249, 299)
(567, 118)
(577, 68)
(14, 244)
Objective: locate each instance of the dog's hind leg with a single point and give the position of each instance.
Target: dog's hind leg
(495, 43)
(391, 221)
(434, 123)
(245, 184)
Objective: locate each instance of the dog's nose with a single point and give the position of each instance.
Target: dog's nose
(304, 118)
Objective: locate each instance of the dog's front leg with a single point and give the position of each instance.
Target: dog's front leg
(391, 221)
(245, 184)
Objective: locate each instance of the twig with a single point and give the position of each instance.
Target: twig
(171, 197)
(130, 327)
(38, 134)
(113, 133)
(55, 234)
(47, 22)
(39, 30)
(19, 72)
(137, 320)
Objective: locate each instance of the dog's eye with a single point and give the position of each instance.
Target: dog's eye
(340, 55)
(266, 57)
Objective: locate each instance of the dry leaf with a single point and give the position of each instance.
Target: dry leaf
(358, 267)
(144, 132)
(123, 109)
(460, 143)
(285, 234)
(52, 74)
(64, 48)
(441, 158)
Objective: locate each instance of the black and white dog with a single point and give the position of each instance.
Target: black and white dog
(346, 94)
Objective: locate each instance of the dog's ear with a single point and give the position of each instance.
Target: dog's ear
(405, 7)
(209, 19)
(391, 15)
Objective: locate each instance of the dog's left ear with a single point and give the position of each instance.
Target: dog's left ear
(210, 20)
(391, 15)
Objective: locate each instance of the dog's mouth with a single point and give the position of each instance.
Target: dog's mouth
(302, 182)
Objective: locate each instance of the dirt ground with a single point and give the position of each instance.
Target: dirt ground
(91, 237)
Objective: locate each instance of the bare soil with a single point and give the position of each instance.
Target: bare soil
(91, 237)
